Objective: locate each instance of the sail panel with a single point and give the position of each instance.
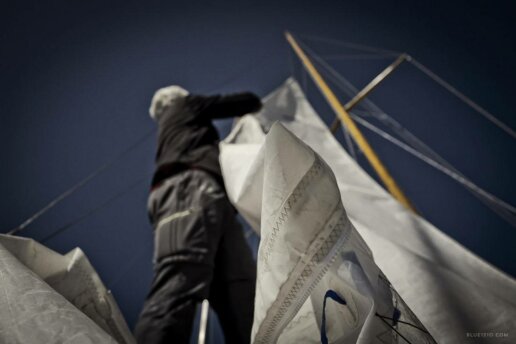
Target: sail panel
(70, 276)
(309, 249)
(32, 312)
(451, 290)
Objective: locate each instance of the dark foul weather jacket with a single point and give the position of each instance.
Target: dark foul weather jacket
(188, 139)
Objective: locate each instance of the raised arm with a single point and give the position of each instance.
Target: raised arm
(226, 106)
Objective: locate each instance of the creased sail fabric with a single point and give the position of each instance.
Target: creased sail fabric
(310, 250)
(454, 293)
(46, 297)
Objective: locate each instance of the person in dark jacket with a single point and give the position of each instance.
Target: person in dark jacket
(200, 250)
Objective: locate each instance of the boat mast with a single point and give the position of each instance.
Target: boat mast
(346, 119)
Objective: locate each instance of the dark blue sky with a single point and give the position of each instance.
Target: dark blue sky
(76, 82)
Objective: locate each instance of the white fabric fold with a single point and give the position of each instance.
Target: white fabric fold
(309, 247)
(452, 291)
(54, 298)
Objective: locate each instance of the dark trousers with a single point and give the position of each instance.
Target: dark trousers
(200, 253)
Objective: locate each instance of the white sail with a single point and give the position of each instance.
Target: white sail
(46, 297)
(455, 294)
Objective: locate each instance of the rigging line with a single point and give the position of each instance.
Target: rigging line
(351, 89)
(79, 184)
(403, 322)
(291, 62)
(393, 328)
(379, 114)
(303, 73)
(102, 168)
(349, 44)
(507, 211)
(305, 79)
(348, 88)
(374, 111)
(93, 210)
(368, 113)
(341, 83)
(502, 209)
(356, 56)
(468, 101)
(340, 110)
(349, 143)
(455, 175)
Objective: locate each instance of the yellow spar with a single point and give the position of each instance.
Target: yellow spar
(355, 133)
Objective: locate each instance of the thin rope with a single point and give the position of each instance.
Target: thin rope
(373, 110)
(291, 62)
(403, 322)
(356, 56)
(102, 168)
(333, 295)
(500, 207)
(350, 45)
(504, 209)
(76, 187)
(349, 143)
(468, 101)
(343, 85)
(305, 81)
(394, 329)
(93, 210)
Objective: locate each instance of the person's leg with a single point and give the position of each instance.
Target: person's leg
(169, 310)
(185, 248)
(233, 286)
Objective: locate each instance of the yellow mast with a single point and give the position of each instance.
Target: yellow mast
(355, 133)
